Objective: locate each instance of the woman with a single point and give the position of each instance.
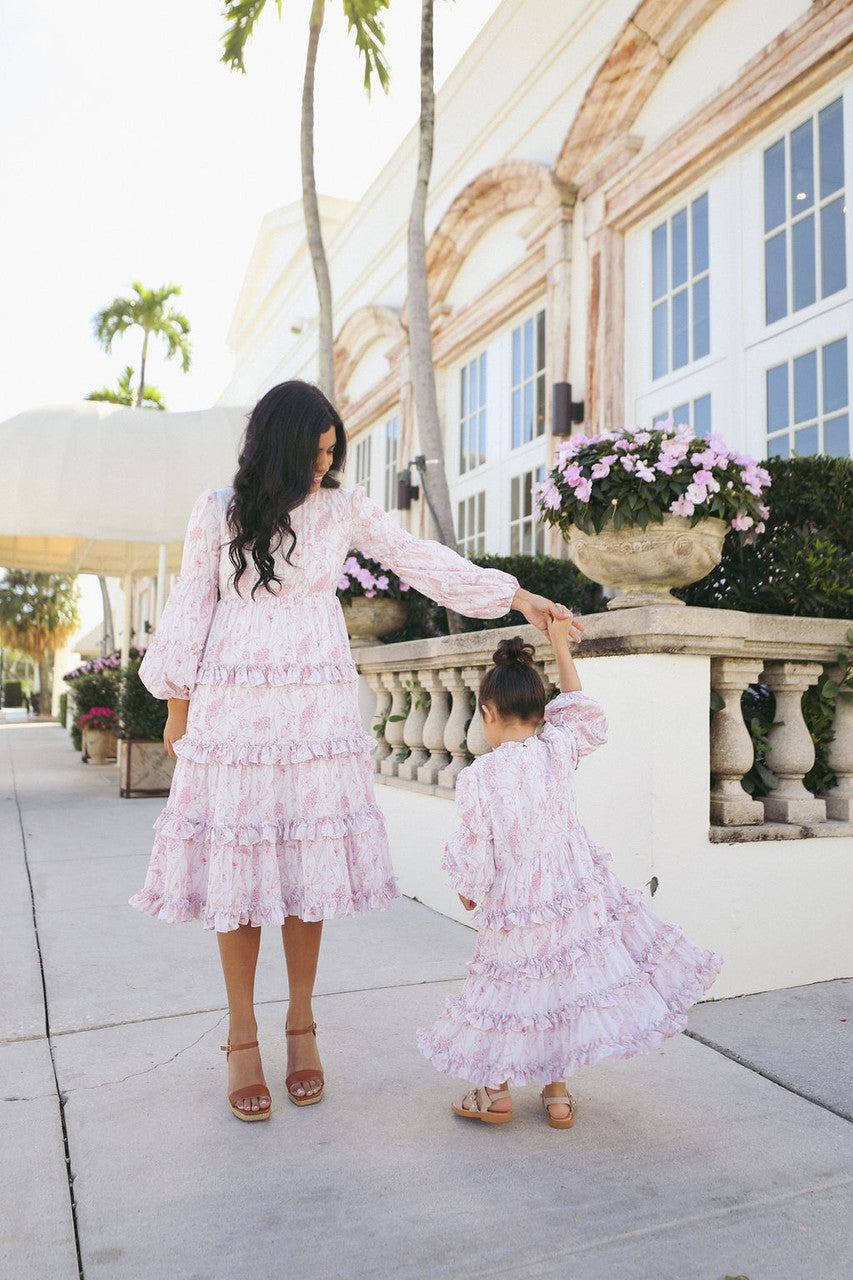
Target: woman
(272, 819)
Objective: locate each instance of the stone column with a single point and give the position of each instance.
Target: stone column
(454, 730)
(436, 723)
(413, 733)
(477, 744)
(394, 728)
(732, 753)
(839, 801)
(790, 752)
(383, 703)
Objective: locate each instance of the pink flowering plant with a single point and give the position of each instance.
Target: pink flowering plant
(362, 576)
(98, 718)
(636, 477)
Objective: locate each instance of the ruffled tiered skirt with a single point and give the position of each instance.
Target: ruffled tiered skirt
(562, 978)
(272, 810)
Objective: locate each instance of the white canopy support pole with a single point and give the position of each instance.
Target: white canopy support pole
(162, 571)
(128, 619)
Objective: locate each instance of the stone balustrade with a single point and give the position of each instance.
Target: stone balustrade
(428, 725)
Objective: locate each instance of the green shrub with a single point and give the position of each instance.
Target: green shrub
(97, 689)
(549, 576)
(63, 709)
(142, 716)
(803, 565)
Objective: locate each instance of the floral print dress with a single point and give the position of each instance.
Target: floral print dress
(272, 809)
(570, 965)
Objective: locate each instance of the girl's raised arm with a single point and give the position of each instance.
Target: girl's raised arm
(561, 633)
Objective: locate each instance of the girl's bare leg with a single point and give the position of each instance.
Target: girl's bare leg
(301, 940)
(238, 952)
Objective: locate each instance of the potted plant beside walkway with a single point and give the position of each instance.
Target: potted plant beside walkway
(646, 511)
(372, 597)
(145, 767)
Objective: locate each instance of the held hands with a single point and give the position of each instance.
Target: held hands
(176, 724)
(540, 611)
(563, 631)
(467, 903)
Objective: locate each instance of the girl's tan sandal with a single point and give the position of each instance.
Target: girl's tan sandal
(478, 1103)
(550, 1100)
(249, 1091)
(307, 1073)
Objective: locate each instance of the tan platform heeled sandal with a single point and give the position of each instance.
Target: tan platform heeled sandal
(249, 1091)
(550, 1100)
(307, 1073)
(479, 1101)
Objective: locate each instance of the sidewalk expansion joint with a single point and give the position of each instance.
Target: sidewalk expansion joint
(60, 1096)
(768, 1075)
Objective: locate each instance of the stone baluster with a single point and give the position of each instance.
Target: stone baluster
(454, 730)
(839, 801)
(475, 740)
(413, 731)
(732, 752)
(434, 727)
(380, 711)
(790, 750)
(394, 728)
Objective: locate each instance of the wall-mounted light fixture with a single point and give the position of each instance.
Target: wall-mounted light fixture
(564, 410)
(406, 491)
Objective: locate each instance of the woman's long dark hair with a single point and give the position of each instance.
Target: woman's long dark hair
(275, 473)
(513, 686)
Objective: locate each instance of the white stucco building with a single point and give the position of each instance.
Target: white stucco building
(645, 201)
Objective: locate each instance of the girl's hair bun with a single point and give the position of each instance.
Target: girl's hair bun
(514, 653)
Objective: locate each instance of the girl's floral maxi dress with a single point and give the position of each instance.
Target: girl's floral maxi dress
(272, 810)
(570, 966)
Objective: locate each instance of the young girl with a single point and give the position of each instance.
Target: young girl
(570, 966)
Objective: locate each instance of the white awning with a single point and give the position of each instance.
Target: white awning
(99, 488)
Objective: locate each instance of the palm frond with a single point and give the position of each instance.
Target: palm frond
(364, 21)
(242, 15)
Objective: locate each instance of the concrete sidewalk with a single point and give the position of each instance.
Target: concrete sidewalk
(729, 1151)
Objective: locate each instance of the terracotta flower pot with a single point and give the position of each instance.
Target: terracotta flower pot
(367, 620)
(644, 565)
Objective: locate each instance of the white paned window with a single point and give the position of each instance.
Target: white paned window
(681, 304)
(472, 414)
(528, 380)
(526, 537)
(363, 450)
(471, 525)
(804, 214)
(392, 448)
(807, 403)
(692, 413)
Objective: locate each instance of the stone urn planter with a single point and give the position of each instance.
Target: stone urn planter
(144, 768)
(100, 746)
(644, 565)
(368, 620)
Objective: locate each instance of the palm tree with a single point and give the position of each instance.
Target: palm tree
(38, 613)
(420, 330)
(148, 311)
(366, 25)
(125, 394)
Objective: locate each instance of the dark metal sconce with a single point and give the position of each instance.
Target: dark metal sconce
(406, 491)
(564, 410)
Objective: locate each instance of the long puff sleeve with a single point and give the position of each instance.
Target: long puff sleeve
(172, 659)
(469, 859)
(575, 725)
(430, 567)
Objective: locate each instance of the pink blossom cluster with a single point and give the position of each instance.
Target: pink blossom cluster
(675, 446)
(355, 571)
(112, 662)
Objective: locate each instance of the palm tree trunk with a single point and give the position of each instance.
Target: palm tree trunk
(313, 230)
(45, 682)
(420, 331)
(140, 391)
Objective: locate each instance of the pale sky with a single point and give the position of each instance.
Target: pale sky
(131, 152)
